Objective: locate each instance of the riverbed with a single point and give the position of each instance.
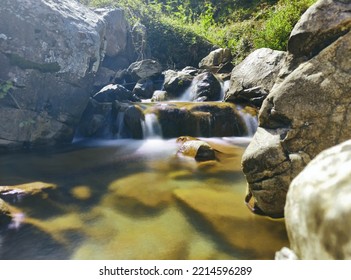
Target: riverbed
(134, 199)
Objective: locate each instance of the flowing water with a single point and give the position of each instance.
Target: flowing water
(134, 199)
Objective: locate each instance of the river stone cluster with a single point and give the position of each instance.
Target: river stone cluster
(308, 108)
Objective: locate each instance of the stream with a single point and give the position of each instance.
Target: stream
(134, 199)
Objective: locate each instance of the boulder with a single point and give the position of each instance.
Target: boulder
(176, 82)
(323, 23)
(144, 89)
(254, 77)
(306, 113)
(159, 95)
(216, 59)
(111, 93)
(197, 149)
(205, 86)
(318, 206)
(49, 52)
(144, 69)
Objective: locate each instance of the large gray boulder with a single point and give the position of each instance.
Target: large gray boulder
(306, 113)
(320, 25)
(318, 207)
(49, 52)
(254, 77)
(295, 116)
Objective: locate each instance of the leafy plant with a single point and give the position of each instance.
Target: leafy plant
(5, 88)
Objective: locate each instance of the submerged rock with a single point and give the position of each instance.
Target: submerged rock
(26, 189)
(318, 206)
(218, 210)
(5, 213)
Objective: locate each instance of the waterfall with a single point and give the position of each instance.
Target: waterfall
(120, 127)
(151, 127)
(250, 121)
(224, 88)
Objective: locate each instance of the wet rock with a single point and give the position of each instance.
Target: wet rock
(133, 116)
(26, 189)
(135, 239)
(254, 77)
(5, 213)
(176, 82)
(206, 86)
(197, 149)
(144, 89)
(112, 93)
(323, 23)
(191, 70)
(144, 69)
(285, 254)
(296, 113)
(142, 190)
(159, 95)
(318, 206)
(218, 210)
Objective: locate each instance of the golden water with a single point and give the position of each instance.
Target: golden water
(134, 200)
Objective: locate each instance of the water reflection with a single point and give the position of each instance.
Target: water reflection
(135, 200)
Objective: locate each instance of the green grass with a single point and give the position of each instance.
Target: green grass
(241, 25)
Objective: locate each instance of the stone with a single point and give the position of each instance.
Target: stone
(218, 209)
(205, 86)
(5, 213)
(285, 254)
(216, 59)
(197, 149)
(26, 189)
(144, 89)
(254, 77)
(49, 53)
(111, 93)
(323, 23)
(304, 114)
(159, 95)
(145, 69)
(318, 206)
(117, 28)
(176, 82)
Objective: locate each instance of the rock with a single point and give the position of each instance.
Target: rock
(49, 52)
(176, 82)
(159, 95)
(254, 77)
(206, 86)
(144, 89)
(318, 206)
(144, 69)
(111, 93)
(205, 119)
(190, 70)
(133, 116)
(103, 77)
(216, 59)
(26, 189)
(5, 213)
(197, 149)
(323, 23)
(293, 121)
(218, 210)
(116, 34)
(285, 254)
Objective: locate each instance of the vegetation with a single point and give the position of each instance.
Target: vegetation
(241, 25)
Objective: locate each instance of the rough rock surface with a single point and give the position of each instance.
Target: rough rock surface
(320, 25)
(144, 69)
(254, 77)
(176, 82)
(206, 86)
(112, 93)
(306, 113)
(216, 59)
(318, 206)
(50, 77)
(197, 149)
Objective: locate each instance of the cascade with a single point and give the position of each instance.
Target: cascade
(120, 126)
(151, 127)
(250, 121)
